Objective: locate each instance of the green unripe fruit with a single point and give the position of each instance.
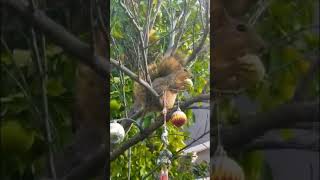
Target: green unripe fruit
(114, 105)
(15, 138)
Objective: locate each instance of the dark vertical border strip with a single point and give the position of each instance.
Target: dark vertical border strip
(212, 114)
(107, 20)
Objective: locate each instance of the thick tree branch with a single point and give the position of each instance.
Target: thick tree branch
(307, 126)
(240, 135)
(94, 162)
(89, 166)
(252, 127)
(146, 132)
(280, 144)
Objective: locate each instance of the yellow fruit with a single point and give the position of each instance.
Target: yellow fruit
(188, 83)
(15, 138)
(114, 105)
(255, 71)
(153, 36)
(151, 32)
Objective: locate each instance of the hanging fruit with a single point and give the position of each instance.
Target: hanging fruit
(116, 132)
(178, 118)
(224, 167)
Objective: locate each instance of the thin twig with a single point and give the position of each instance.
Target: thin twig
(101, 20)
(43, 79)
(22, 85)
(203, 40)
(143, 35)
(262, 6)
(185, 15)
(129, 13)
(153, 19)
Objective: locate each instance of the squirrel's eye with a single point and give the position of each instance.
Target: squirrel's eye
(241, 27)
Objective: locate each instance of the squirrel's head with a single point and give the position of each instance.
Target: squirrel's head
(233, 38)
(183, 79)
(236, 51)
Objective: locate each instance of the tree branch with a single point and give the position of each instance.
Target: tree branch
(60, 36)
(70, 43)
(252, 127)
(133, 76)
(89, 166)
(41, 65)
(204, 37)
(96, 161)
(279, 144)
(146, 132)
(240, 135)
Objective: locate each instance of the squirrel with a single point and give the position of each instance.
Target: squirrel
(89, 113)
(236, 63)
(169, 76)
(90, 95)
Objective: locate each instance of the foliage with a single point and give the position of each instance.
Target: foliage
(22, 108)
(293, 46)
(125, 47)
(287, 26)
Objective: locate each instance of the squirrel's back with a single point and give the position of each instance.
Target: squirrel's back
(166, 66)
(167, 74)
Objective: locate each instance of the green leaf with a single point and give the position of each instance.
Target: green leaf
(5, 59)
(21, 57)
(311, 39)
(54, 50)
(55, 87)
(11, 97)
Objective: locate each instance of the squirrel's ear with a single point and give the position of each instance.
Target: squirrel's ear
(220, 16)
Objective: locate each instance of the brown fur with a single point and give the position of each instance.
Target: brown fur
(167, 75)
(91, 92)
(232, 39)
(90, 115)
